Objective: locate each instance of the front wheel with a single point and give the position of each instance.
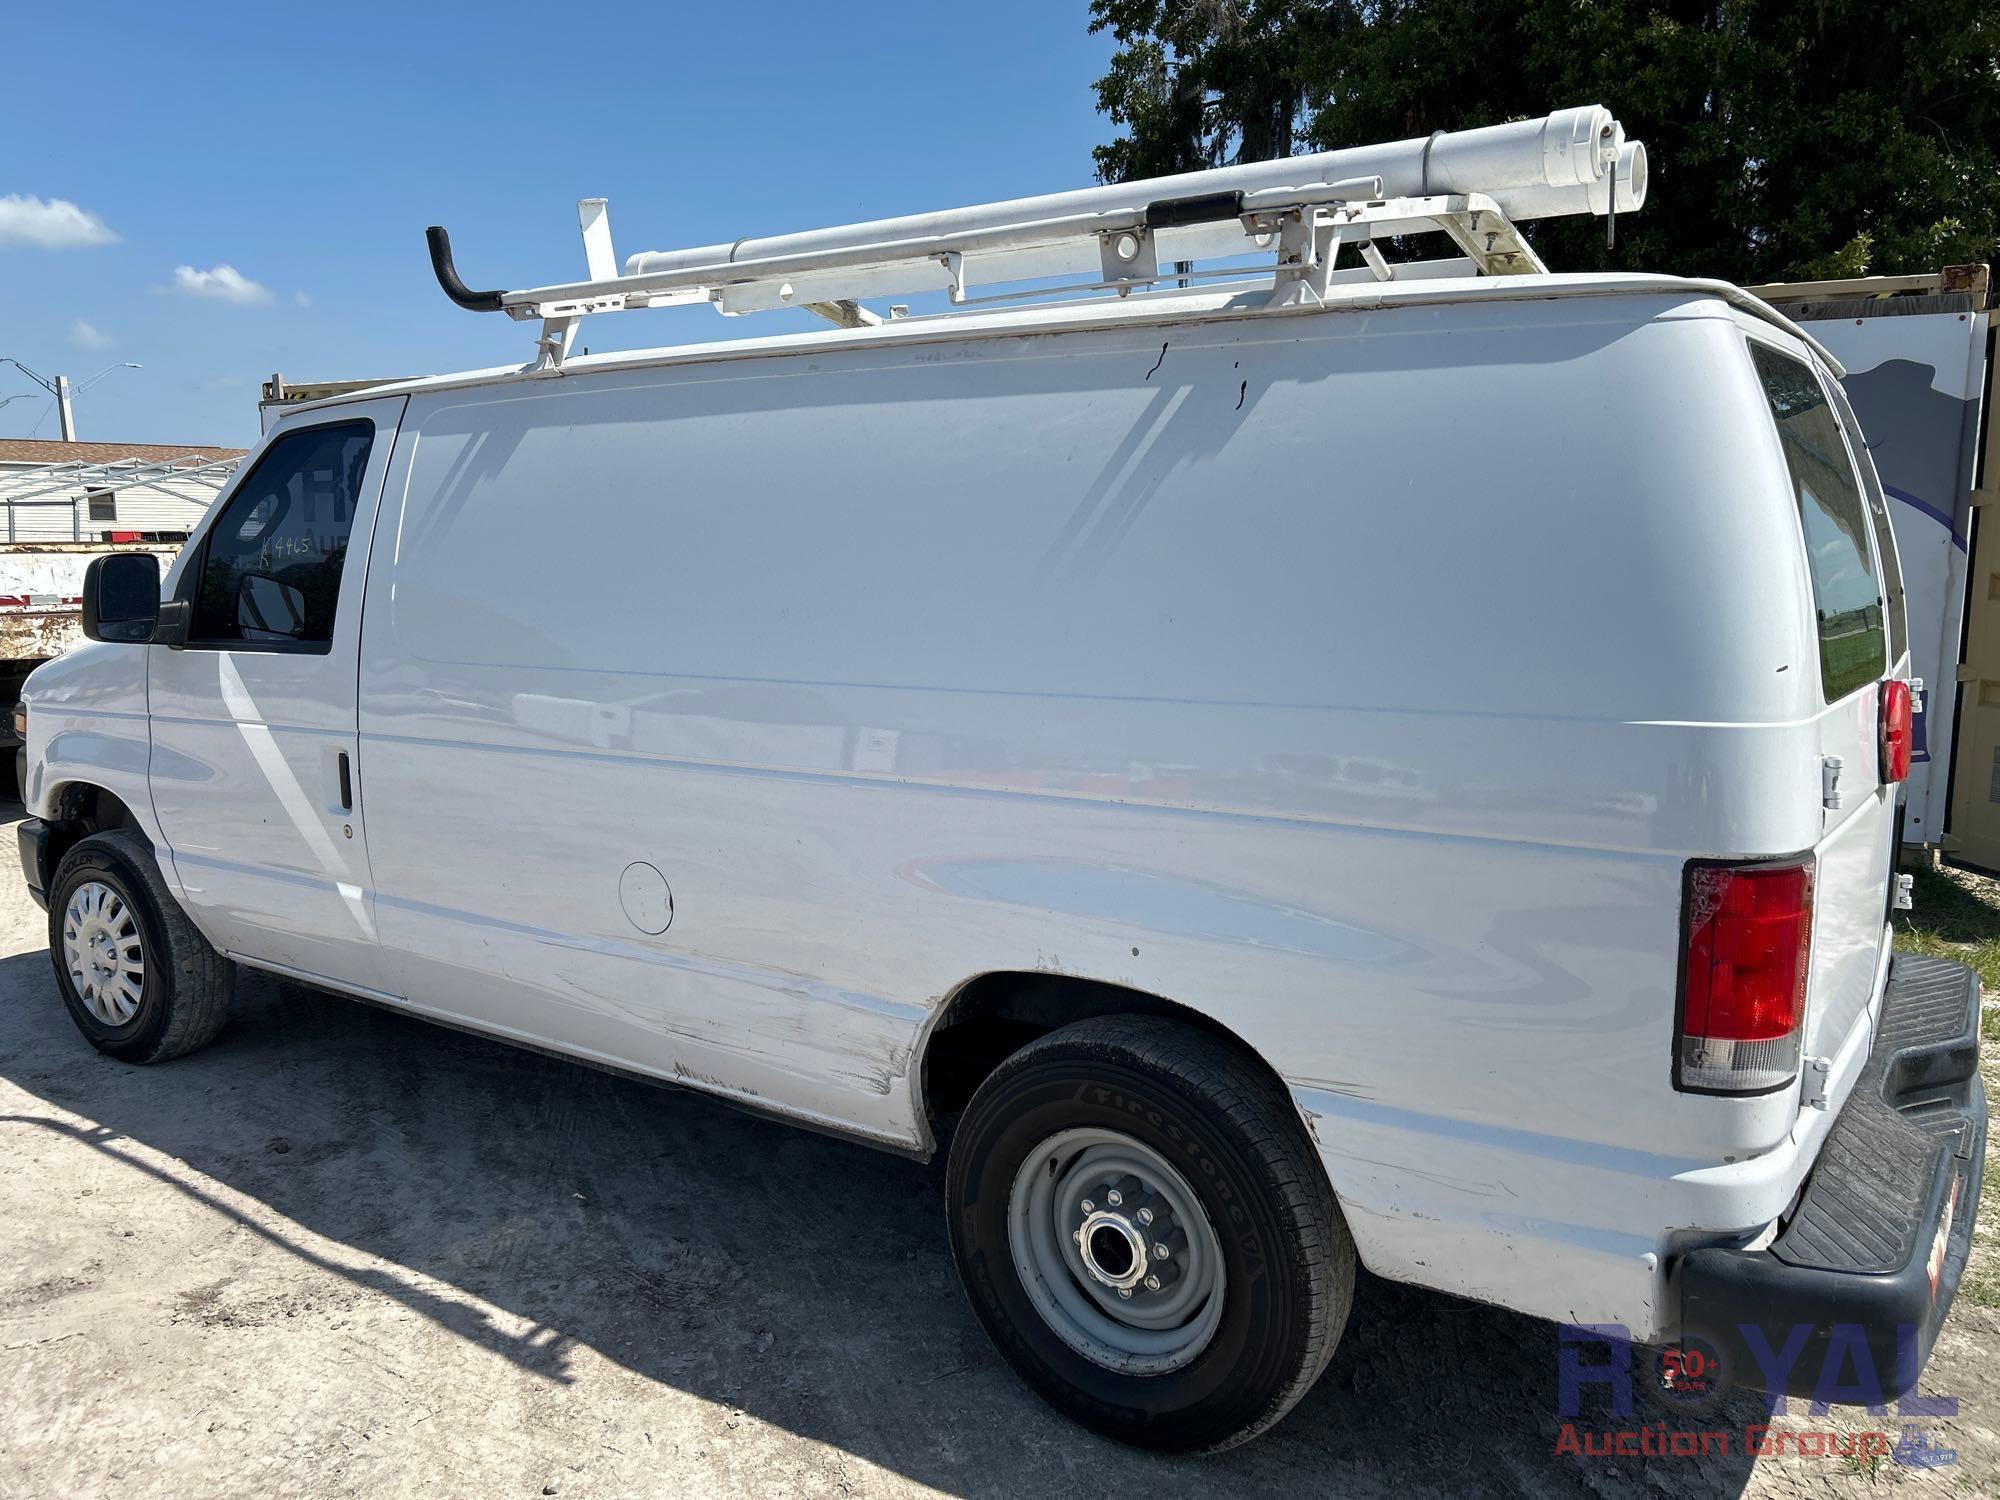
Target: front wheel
(140, 982)
(1144, 1232)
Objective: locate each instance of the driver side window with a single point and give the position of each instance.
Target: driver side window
(270, 567)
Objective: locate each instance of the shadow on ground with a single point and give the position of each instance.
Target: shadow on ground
(803, 1280)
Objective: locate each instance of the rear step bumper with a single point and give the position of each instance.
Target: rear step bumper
(1846, 1303)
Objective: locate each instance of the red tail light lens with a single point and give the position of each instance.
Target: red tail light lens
(1743, 988)
(1896, 730)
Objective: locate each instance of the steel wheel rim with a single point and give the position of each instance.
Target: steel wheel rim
(105, 952)
(1089, 1213)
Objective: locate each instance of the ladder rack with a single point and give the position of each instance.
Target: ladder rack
(1303, 212)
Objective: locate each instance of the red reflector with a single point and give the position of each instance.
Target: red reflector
(1896, 730)
(1749, 937)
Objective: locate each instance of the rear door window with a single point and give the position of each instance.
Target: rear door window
(1847, 592)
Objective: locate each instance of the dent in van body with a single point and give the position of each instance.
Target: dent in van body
(1561, 1245)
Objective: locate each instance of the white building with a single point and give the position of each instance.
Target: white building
(40, 505)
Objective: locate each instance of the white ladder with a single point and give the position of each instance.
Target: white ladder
(1473, 186)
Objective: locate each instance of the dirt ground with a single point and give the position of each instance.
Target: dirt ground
(343, 1253)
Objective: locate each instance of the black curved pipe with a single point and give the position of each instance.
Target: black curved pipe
(447, 275)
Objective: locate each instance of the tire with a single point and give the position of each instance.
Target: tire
(1158, 1112)
(183, 984)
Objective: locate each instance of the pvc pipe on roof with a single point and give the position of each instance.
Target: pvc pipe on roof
(1532, 168)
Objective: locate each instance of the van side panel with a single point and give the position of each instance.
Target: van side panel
(1363, 681)
(88, 726)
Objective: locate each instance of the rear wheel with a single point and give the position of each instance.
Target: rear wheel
(1144, 1232)
(139, 981)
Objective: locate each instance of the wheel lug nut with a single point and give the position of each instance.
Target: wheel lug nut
(1160, 1252)
(1087, 1206)
(1125, 1292)
(1145, 1216)
(1114, 1197)
(1152, 1283)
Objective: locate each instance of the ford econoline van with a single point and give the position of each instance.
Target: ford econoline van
(1402, 777)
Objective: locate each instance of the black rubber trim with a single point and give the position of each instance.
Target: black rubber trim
(33, 836)
(1201, 208)
(1856, 1253)
(447, 275)
(1929, 1031)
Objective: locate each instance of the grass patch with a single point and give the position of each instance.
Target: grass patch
(1958, 916)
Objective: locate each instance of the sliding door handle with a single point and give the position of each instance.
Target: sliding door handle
(346, 784)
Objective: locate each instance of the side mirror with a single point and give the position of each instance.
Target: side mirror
(121, 597)
(267, 610)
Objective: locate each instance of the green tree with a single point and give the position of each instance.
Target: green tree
(1787, 139)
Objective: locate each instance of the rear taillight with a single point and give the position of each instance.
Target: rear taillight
(1743, 984)
(1896, 730)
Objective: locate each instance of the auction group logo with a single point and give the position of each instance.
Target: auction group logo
(1688, 1377)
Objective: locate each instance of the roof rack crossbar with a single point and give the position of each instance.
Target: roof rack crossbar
(1473, 186)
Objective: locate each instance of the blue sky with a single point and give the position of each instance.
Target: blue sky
(305, 149)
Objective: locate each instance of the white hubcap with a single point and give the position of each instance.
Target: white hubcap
(104, 953)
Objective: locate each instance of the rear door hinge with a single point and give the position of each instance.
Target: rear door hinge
(1830, 796)
(1818, 1071)
(1906, 893)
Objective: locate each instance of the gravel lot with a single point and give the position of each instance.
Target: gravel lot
(342, 1252)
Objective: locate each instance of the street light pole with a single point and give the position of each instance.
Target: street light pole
(61, 389)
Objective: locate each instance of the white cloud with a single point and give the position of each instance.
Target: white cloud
(57, 224)
(88, 336)
(302, 299)
(223, 284)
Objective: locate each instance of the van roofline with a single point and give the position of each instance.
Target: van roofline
(1228, 302)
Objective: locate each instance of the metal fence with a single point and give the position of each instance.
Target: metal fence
(69, 530)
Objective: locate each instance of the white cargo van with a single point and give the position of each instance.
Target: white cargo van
(1392, 766)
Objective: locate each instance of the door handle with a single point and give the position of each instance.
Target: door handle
(346, 784)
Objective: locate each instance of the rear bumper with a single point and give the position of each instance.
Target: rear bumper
(33, 836)
(1845, 1304)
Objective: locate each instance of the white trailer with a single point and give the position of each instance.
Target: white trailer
(1918, 356)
